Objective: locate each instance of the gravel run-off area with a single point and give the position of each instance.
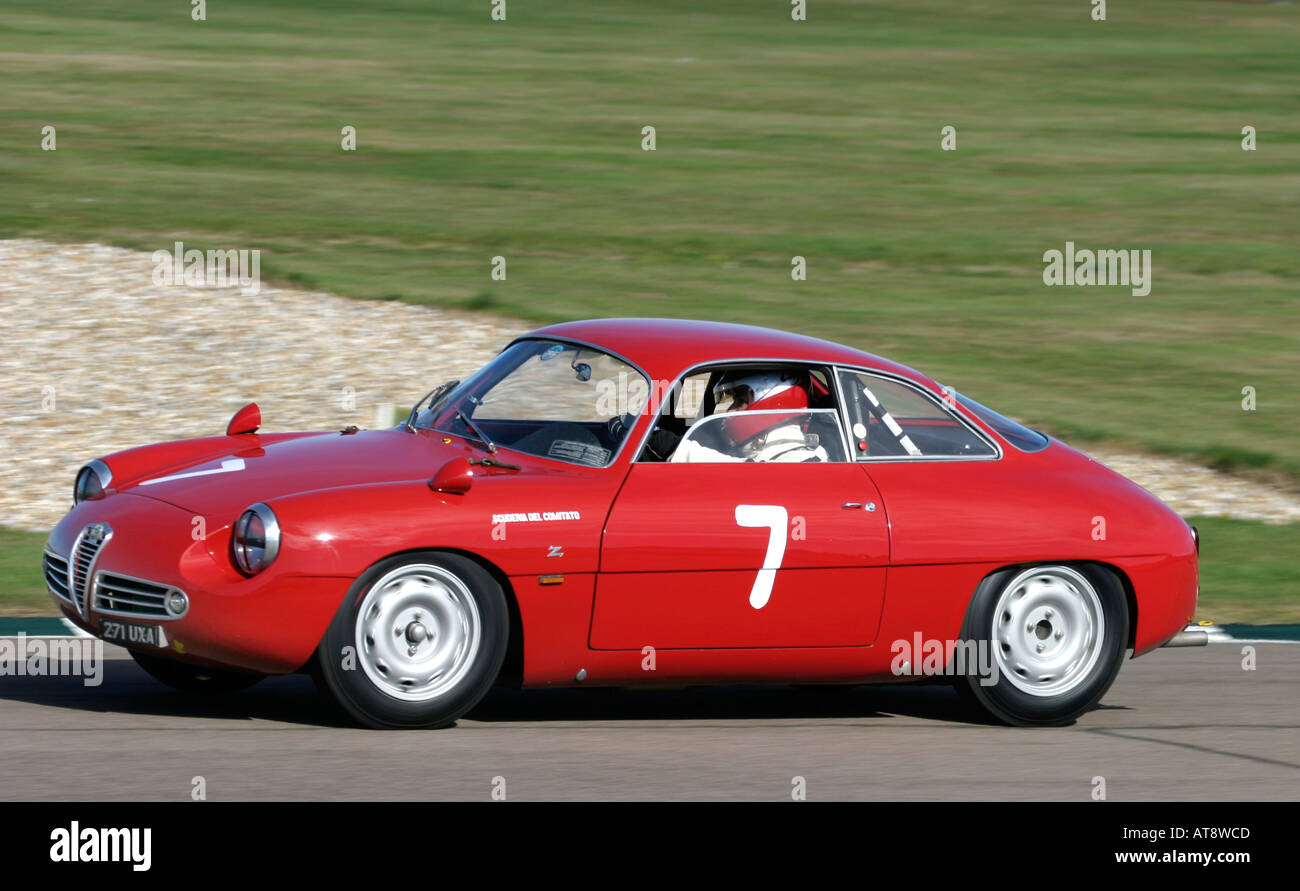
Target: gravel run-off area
(97, 358)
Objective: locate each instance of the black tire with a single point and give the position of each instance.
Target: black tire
(402, 683)
(193, 678)
(1029, 693)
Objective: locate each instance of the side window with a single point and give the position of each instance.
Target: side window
(775, 437)
(749, 412)
(888, 419)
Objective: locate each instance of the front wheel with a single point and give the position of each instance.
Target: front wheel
(417, 642)
(1057, 636)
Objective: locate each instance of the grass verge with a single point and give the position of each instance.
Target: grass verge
(22, 580)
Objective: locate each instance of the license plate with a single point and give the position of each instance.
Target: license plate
(132, 633)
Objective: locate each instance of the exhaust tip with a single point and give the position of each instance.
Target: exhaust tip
(1187, 638)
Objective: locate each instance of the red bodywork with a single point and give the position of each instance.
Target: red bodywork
(651, 554)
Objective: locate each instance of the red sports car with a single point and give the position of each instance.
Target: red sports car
(633, 501)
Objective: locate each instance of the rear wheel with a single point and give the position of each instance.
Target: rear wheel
(1056, 635)
(418, 641)
(192, 678)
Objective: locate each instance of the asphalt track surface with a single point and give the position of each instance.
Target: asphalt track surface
(1180, 724)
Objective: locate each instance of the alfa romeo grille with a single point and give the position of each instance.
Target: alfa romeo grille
(56, 575)
(81, 562)
(122, 595)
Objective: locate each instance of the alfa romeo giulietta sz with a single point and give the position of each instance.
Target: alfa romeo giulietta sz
(633, 501)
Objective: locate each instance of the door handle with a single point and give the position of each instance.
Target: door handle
(858, 505)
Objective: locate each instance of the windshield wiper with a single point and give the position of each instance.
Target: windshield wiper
(483, 437)
(435, 394)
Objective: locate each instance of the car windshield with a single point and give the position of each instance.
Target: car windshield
(547, 398)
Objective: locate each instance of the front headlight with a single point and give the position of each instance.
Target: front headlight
(91, 480)
(256, 539)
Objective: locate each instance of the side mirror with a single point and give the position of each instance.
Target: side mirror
(583, 371)
(455, 477)
(246, 420)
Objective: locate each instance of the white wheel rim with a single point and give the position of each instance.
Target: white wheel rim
(418, 632)
(1049, 630)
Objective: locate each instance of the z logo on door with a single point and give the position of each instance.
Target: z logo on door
(775, 518)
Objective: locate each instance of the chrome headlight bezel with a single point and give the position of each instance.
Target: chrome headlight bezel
(90, 480)
(249, 556)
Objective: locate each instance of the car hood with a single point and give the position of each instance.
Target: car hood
(224, 484)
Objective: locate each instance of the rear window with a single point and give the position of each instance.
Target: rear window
(1018, 435)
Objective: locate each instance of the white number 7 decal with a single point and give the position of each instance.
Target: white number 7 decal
(774, 517)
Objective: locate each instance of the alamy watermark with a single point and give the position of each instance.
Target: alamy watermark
(217, 269)
(78, 844)
(53, 657)
(1131, 268)
(630, 394)
(952, 658)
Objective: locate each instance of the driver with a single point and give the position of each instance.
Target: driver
(760, 437)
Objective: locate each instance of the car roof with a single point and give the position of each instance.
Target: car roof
(664, 348)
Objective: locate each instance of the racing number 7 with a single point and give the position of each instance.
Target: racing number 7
(774, 517)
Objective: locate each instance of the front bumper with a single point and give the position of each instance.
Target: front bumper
(270, 623)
